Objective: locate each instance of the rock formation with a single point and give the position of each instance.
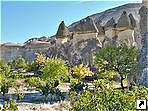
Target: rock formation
(79, 41)
(143, 77)
(85, 26)
(123, 21)
(62, 31)
(62, 34)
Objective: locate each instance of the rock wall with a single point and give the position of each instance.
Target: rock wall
(143, 77)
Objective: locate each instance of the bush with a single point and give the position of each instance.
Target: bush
(55, 69)
(11, 106)
(81, 71)
(107, 98)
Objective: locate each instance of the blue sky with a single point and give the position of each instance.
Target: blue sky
(21, 20)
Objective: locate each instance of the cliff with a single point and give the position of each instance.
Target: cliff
(143, 69)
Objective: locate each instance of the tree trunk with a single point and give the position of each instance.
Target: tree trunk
(122, 86)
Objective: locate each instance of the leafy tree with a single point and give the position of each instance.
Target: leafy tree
(54, 72)
(11, 106)
(40, 58)
(38, 63)
(80, 71)
(5, 81)
(54, 69)
(121, 59)
(20, 64)
(78, 74)
(4, 69)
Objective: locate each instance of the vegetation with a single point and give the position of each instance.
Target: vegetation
(54, 69)
(119, 59)
(81, 71)
(106, 98)
(19, 64)
(5, 82)
(78, 75)
(10, 107)
(48, 73)
(110, 61)
(37, 64)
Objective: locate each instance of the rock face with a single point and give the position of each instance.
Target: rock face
(78, 42)
(144, 50)
(103, 17)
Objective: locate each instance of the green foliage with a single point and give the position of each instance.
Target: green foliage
(107, 98)
(6, 84)
(35, 82)
(107, 75)
(45, 87)
(80, 71)
(10, 107)
(5, 107)
(40, 58)
(54, 69)
(121, 59)
(73, 81)
(38, 63)
(17, 75)
(19, 95)
(19, 64)
(4, 69)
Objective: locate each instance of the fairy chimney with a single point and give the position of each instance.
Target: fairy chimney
(62, 31)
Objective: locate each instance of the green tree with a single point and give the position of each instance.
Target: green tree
(80, 71)
(55, 69)
(4, 77)
(20, 64)
(4, 69)
(38, 63)
(121, 59)
(52, 72)
(78, 74)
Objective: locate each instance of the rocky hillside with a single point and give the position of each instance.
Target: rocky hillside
(103, 17)
(79, 41)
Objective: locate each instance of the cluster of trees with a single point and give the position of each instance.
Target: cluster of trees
(110, 61)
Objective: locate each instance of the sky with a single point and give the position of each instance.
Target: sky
(22, 20)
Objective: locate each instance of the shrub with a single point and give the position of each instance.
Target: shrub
(54, 69)
(107, 98)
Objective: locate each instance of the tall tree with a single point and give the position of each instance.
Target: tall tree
(121, 59)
